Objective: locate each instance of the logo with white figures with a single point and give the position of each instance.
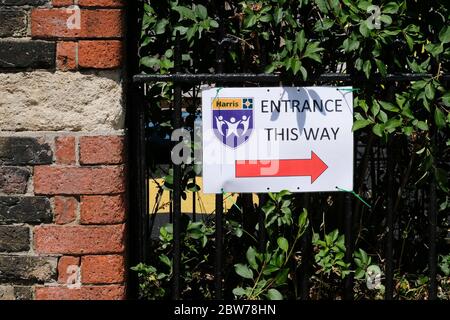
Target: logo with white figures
(232, 120)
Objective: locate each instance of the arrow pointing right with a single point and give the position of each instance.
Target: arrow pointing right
(313, 167)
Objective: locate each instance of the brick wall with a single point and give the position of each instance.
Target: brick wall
(62, 150)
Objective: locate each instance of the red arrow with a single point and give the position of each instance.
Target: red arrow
(313, 167)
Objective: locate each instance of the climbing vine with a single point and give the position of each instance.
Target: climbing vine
(301, 39)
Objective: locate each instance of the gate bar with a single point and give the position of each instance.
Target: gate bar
(219, 197)
(176, 178)
(267, 77)
(348, 230)
(432, 225)
(389, 293)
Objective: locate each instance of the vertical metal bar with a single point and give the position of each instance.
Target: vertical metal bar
(306, 247)
(432, 225)
(176, 181)
(194, 206)
(194, 194)
(261, 223)
(219, 247)
(390, 224)
(219, 197)
(348, 226)
(135, 122)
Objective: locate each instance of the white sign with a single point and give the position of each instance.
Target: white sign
(280, 138)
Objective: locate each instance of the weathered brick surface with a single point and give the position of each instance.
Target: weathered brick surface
(27, 268)
(67, 266)
(14, 22)
(25, 210)
(23, 2)
(102, 3)
(23, 292)
(14, 180)
(62, 3)
(11, 292)
(65, 209)
(75, 180)
(52, 23)
(14, 238)
(27, 54)
(111, 292)
(79, 239)
(100, 54)
(102, 209)
(65, 150)
(102, 269)
(102, 150)
(24, 151)
(66, 55)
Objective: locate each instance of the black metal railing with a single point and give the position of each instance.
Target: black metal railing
(352, 210)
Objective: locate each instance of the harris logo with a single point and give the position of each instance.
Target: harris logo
(232, 120)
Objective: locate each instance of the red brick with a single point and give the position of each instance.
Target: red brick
(98, 54)
(65, 149)
(65, 209)
(66, 267)
(102, 150)
(50, 180)
(62, 3)
(102, 269)
(113, 292)
(52, 23)
(102, 209)
(79, 239)
(102, 3)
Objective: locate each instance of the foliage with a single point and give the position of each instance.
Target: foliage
(299, 40)
(155, 280)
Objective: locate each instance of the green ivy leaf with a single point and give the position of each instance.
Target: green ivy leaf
(323, 25)
(386, 19)
(367, 66)
(364, 29)
(239, 292)
(149, 62)
(184, 12)
(274, 294)
(439, 118)
(375, 108)
(429, 91)
(359, 124)
(422, 125)
(378, 130)
(283, 244)
(251, 258)
(434, 49)
(444, 35)
(160, 27)
(390, 8)
(244, 271)
(201, 11)
(389, 106)
(446, 99)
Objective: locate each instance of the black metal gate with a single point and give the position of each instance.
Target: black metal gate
(382, 170)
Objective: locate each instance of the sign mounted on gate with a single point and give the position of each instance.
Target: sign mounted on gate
(280, 138)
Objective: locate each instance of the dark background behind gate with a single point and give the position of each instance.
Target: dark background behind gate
(380, 174)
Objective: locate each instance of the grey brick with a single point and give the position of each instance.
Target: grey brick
(26, 269)
(14, 180)
(34, 3)
(25, 210)
(24, 151)
(14, 22)
(27, 54)
(14, 238)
